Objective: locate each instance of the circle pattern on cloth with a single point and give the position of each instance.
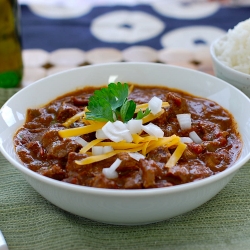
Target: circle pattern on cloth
(176, 55)
(67, 57)
(139, 54)
(103, 55)
(193, 37)
(32, 74)
(185, 9)
(60, 11)
(126, 26)
(35, 57)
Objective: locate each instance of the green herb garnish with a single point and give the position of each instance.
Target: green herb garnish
(111, 104)
(142, 114)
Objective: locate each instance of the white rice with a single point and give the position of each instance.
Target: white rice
(234, 50)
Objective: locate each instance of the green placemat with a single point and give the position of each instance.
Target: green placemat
(6, 93)
(28, 221)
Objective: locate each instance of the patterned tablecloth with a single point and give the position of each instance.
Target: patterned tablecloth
(59, 35)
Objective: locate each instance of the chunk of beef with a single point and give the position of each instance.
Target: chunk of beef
(56, 146)
(54, 171)
(192, 151)
(36, 150)
(38, 119)
(195, 148)
(208, 130)
(160, 155)
(77, 174)
(81, 100)
(24, 154)
(23, 136)
(100, 181)
(188, 172)
(161, 120)
(129, 172)
(219, 141)
(66, 111)
(217, 161)
(51, 135)
(32, 114)
(36, 165)
(53, 107)
(188, 154)
(212, 146)
(127, 164)
(177, 103)
(149, 172)
(171, 128)
(133, 180)
(61, 148)
(71, 165)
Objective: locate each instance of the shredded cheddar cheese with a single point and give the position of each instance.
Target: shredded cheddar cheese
(73, 119)
(131, 88)
(176, 155)
(96, 158)
(150, 117)
(89, 145)
(80, 130)
(119, 145)
(144, 106)
(167, 141)
(142, 144)
(138, 139)
(144, 148)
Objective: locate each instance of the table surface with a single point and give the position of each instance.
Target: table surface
(27, 220)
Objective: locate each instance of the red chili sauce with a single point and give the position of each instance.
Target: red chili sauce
(42, 150)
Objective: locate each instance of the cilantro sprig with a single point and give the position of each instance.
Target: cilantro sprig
(142, 114)
(111, 104)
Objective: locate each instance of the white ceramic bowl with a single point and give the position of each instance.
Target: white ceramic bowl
(238, 79)
(129, 207)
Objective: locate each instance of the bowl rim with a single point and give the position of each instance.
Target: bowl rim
(125, 192)
(219, 62)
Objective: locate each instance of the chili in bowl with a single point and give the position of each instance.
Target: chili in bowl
(127, 143)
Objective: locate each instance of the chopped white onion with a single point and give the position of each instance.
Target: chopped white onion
(136, 156)
(153, 130)
(134, 126)
(126, 135)
(120, 126)
(155, 105)
(81, 141)
(117, 131)
(107, 149)
(110, 132)
(193, 135)
(184, 121)
(100, 134)
(110, 172)
(97, 150)
(186, 139)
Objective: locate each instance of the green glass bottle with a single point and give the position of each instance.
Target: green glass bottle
(11, 65)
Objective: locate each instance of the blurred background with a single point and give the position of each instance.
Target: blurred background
(57, 35)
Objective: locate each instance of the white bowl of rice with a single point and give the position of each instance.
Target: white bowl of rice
(231, 56)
